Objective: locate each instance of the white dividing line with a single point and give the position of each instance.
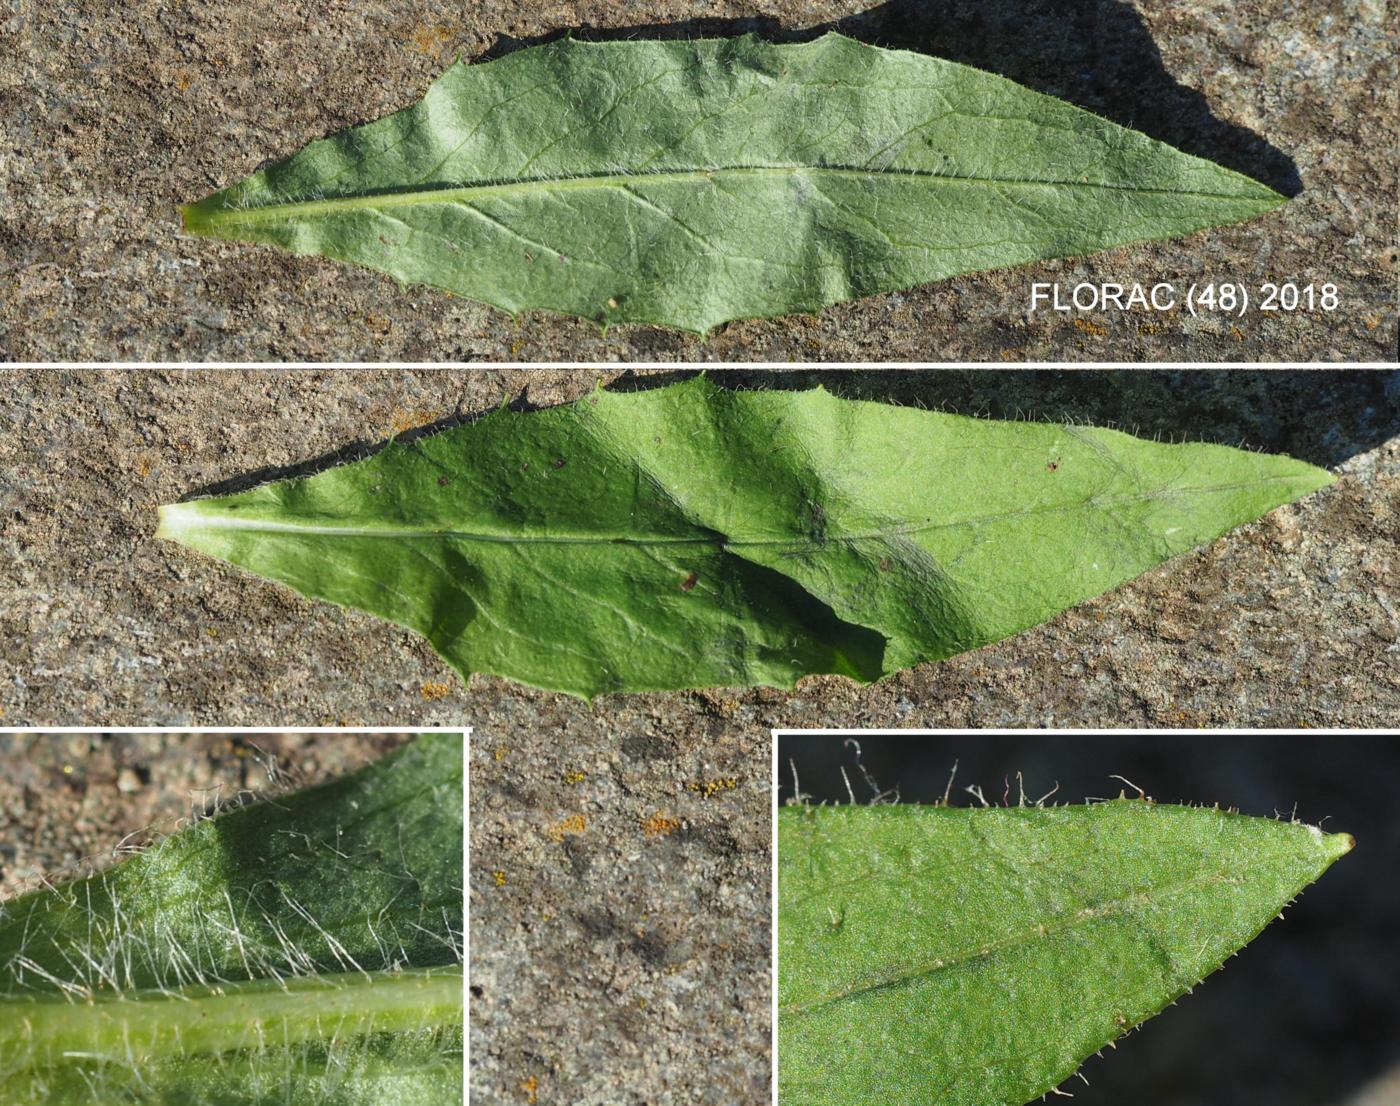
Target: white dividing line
(466, 915)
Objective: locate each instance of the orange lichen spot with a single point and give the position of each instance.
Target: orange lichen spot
(660, 825)
(433, 690)
(500, 752)
(428, 39)
(709, 788)
(403, 420)
(183, 79)
(572, 826)
(1084, 326)
(143, 465)
(378, 324)
(1236, 333)
(498, 878)
(578, 775)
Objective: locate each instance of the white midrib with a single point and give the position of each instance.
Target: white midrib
(179, 519)
(196, 217)
(161, 1023)
(1051, 927)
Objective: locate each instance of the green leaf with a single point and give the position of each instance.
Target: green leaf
(688, 183)
(693, 537)
(304, 950)
(978, 957)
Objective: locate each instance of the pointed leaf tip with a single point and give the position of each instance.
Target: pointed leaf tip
(1338, 844)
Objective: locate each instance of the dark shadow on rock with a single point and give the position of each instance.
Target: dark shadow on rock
(346, 454)
(1097, 54)
(1322, 416)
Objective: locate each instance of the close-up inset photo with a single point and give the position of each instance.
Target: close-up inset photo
(246, 919)
(813, 180)
(621, 914)
(1184, 918)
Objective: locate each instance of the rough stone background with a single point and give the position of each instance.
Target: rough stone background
(620, 926)
(1306, 1015)
(1293, 620)
(66, 799)
(111, 115)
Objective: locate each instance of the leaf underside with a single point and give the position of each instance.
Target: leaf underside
(691, 536)
(687, 183)
(978, 957)
(301, 951)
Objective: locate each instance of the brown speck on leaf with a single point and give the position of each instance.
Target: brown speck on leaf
(884, 564)
(443, 481)
(1053, 466)
(689, 582)
(558, 462)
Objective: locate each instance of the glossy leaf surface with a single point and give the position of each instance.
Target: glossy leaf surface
(686, 183)
(978, 957)
(691, 536)
(301, 951)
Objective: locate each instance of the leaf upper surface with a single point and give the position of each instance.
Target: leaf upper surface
(694, 537)
(301, 951)
(686, 183)
(978, 957)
